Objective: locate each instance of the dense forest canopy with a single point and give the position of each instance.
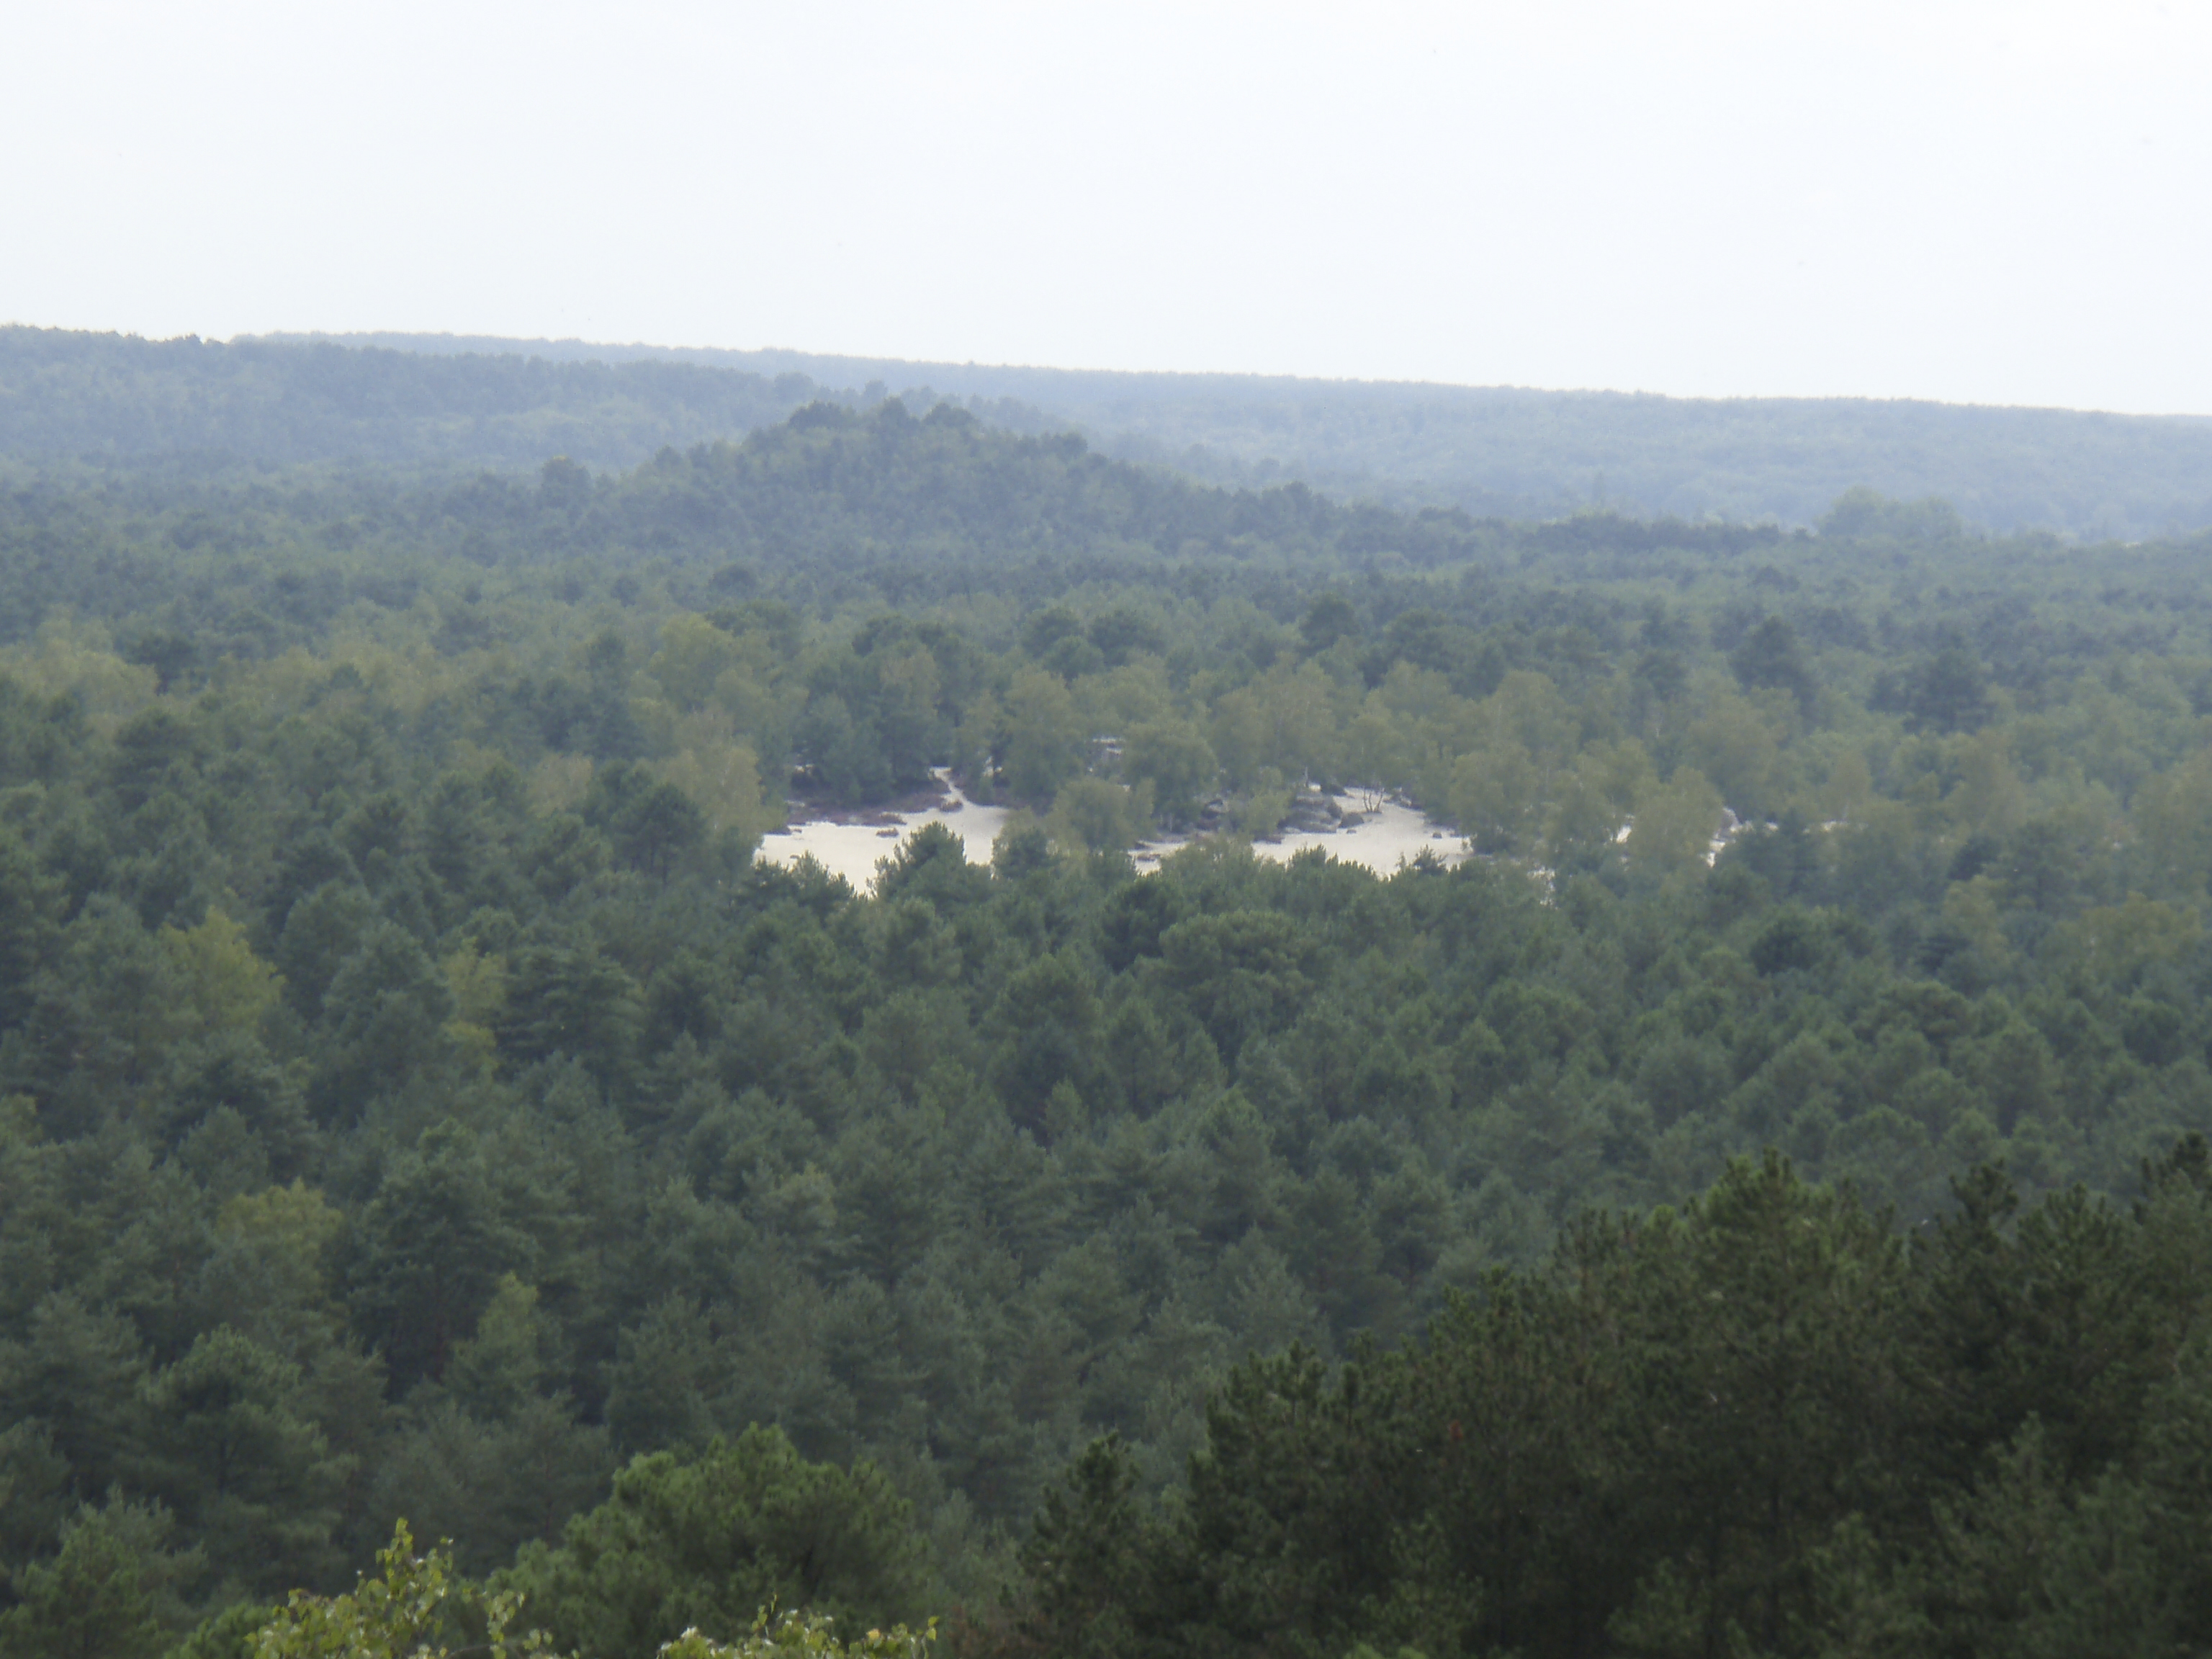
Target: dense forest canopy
(1753, 1192)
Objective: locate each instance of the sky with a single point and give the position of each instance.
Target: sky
(1998, 203)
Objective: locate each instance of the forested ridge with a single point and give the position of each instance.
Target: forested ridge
(436, 402)
(119, 399)
(1523, 453)
(417, 1102)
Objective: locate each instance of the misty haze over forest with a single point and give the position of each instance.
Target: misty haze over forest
(1491, 452)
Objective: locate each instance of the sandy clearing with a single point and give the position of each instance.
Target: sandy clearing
(851, 850)
(1390, 833)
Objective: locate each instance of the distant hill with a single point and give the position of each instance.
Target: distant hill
(1521, 453)
(444, 401)
(109, 398)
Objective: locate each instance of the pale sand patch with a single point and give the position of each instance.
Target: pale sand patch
(851, 850)
(1392, 833)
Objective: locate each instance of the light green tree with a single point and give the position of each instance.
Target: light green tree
(796, 1635)
(414, 1607)
(693, 655)
(1173, 756)
(1675, 825)
(704, 1542)
(1497, 797)
(1094, 816)
(1045, 735)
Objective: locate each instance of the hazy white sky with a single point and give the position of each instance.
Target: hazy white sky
(1998, 202)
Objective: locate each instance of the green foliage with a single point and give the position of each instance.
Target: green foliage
(233, 1633)
(1762, 1424)
(414, 1607)
(690, 1544)
(115, 1588)
(232, 1442)
(802, 1635)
